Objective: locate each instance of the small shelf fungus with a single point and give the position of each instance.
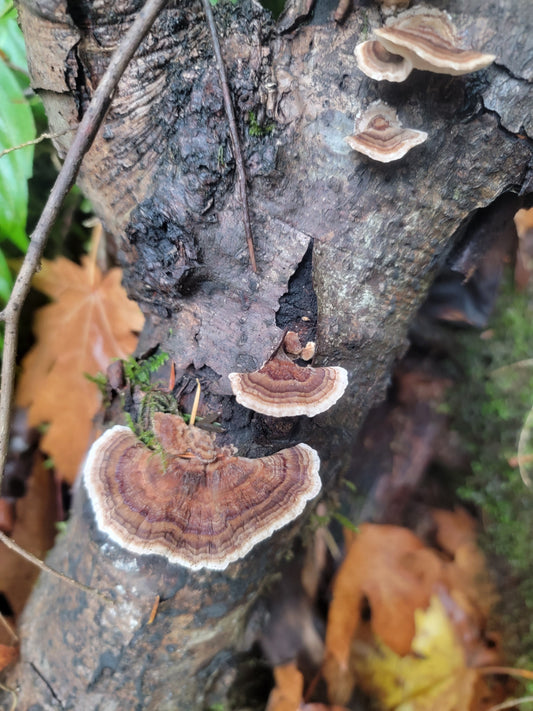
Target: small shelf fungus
(281, 388)
(428, 39)
(196, 504)
(380, 135)
(378, 63)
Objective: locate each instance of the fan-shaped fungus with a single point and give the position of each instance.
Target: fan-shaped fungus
(283, 389)
(194, 503)
(378, 63)
(380, 135)
(428, 39)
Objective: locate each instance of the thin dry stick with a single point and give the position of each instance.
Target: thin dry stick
(46, 568)
(7, 626)
(14, 695)
(196, 402)
(520, 673)
(523, 442)
(34, 142)
(80, 145)
(233, 132)
(511, 703)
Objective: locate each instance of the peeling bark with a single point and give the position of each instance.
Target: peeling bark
(161, 175)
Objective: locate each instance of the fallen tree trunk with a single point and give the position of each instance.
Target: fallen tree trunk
(346, 249)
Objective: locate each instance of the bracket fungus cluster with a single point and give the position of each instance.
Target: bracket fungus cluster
(282, 388)
(194, 503)
(420, 38)
(380, 135)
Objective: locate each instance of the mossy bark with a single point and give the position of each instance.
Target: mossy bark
(346, 250)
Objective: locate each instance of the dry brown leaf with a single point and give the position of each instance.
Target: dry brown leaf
(90, 322)
(454, 528)
(467, 574)
(7, 655)
(288, 692)
(7, 517)
(523, 220)
(322, 707)
(34, 530)
(380, 567)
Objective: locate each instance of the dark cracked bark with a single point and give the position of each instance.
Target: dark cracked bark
(161, 175)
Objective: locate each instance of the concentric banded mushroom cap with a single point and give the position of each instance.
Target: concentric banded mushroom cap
(281, 388)
(378, 63)
(195, 504)
(380, 135)
(428, 39)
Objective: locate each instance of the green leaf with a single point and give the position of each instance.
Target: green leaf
(16, 127)
(11, 39)
(6, 280)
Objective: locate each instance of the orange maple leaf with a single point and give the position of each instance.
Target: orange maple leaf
(90, 322)
(383, 568)
(7, 655)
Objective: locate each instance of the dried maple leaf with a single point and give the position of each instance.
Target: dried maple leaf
(90, 322)
(34, 530)
(287, 694)
(524, 254)
(381, 572)
(7, 655)
(432, 677)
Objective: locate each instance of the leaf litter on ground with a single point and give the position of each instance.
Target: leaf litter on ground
(408, 624)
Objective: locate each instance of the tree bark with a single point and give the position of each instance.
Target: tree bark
(346, 250)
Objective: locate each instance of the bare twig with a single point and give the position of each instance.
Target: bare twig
(520, 673)
(511, 703)
(196, 402)
(34, 142)
(46, 569)
(9, 629)
(233, 132)
(80, 145)
(13, 696)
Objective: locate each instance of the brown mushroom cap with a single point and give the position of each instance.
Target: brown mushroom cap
(428, 39)
(283, 389)
(381, 136)
(378, 63)
(195, 504)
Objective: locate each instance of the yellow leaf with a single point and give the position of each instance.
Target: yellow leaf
(90, 322)
(431, 677)
(388, 569)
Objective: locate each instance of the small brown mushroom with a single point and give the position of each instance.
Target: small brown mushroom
(380, 135)
(378, 63)
(281, 388)
(308, 351)
(428, 39)
(291, 343)
(194, 503)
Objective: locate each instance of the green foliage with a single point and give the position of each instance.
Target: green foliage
(345, 522)
(140, 372)
(490, 407)
(256, 129)
(16, 127)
